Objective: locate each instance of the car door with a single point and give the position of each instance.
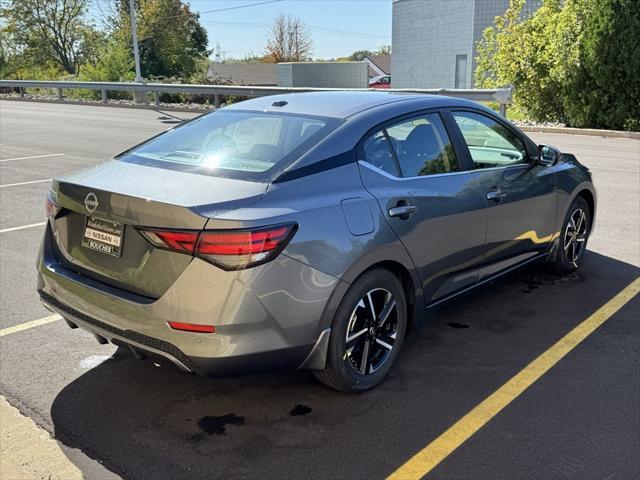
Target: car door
(429, 200)
(520, 193)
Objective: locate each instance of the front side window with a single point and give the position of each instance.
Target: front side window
(240, 144)
(423, 146)
(490, 143)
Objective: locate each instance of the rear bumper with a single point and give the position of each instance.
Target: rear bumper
(143, 346)
(267, 317)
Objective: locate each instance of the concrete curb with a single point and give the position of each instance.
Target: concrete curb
(29, 452)
(581, 131)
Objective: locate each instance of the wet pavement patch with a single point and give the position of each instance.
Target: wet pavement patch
(457, 325)
(300, 410)
(537, 279)
(214, 425)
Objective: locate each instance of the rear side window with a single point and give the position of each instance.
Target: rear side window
(423, 146)
(241, 144)
(419, 146)
(490, 143)
(377, 153)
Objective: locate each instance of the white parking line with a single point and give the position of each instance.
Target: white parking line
(22, 227)
(25, 183)
(34, 156)
(27, 325)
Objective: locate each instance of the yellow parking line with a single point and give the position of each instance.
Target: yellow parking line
(429, 457)
(28, 325)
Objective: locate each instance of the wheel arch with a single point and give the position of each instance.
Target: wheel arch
(591, 202)
(408, 285)
(584, 190)
(317, 358)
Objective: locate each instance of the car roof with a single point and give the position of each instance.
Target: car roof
(341, 104)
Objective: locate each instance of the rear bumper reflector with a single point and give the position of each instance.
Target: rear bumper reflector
(192, 327)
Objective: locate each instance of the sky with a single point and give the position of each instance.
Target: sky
(337, 27)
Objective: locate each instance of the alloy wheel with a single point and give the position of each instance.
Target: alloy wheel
(575, 236)
(371, 332)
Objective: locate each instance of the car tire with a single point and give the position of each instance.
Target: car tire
(574, 235)
(352, 365)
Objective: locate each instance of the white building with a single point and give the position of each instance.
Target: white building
(434, 41)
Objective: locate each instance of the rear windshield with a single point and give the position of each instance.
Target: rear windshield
(233, 143)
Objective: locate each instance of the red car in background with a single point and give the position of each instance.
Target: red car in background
(381, 81)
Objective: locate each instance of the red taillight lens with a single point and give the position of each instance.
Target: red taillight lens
(228, 249)
(192, 327)
(179, 241)
(236, 249)
(50, 206)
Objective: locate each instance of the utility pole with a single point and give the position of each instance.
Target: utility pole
(296, 44)
(134, 33)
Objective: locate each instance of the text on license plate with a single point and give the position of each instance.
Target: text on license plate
(103, 236)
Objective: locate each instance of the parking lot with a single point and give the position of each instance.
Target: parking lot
(580, 420)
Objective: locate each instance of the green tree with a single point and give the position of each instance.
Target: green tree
(360, 54)
(171, 40)
(604, 91)
(45, 34)
(534, 53)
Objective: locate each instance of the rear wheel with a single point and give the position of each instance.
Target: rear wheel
(573, 237)
(367, 333)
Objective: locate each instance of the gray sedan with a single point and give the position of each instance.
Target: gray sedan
(305, 231)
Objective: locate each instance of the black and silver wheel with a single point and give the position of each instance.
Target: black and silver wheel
(367, 333)
(573, 237)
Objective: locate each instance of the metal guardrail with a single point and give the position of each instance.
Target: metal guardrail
(502, 96)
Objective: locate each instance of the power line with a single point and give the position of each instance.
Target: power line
(330, 31)
(228, 8)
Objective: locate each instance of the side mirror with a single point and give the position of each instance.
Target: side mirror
(548, 155)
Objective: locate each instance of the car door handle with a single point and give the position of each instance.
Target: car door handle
(496, 195)
(403, 211)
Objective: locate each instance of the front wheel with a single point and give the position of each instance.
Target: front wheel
(367, 333)
(573, 237)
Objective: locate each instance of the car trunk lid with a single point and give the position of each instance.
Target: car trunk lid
(96, 232)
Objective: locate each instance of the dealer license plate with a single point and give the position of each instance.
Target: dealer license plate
(103, 236)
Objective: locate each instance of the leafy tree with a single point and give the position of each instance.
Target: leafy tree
(170, 37)
(288, 41)
(114, 64)
(535, 54)
(604, 91)
(575, 61)
(360, 54)
(171, 40)
(45, 32)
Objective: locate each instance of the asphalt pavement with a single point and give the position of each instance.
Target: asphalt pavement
(580, 420)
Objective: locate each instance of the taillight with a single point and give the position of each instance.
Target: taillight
(236, 249)
(179, 241)
(51, 206)
(228, 249)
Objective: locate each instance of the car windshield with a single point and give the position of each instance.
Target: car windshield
(239, 144)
